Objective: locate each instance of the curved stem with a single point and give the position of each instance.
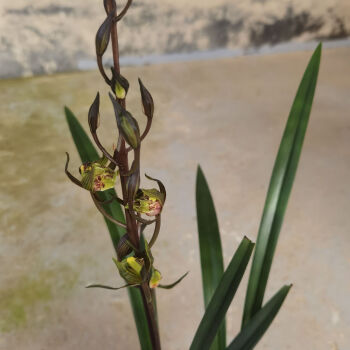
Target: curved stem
(104, 213)
(141, 220)
(135, 164)
(111, 5)
(103, 150)
(109, 201)
(102, 70)
(70, 176)
(156, 231)
(124, 11)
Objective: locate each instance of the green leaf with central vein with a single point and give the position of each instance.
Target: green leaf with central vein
(280, 187)
(261, 321)
(222, 298)
(212, 263)
(88, 153)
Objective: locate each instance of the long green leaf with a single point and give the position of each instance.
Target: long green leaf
(212, 263)
(280, 187)
(223, 295)
(88, 153)
(261, 321)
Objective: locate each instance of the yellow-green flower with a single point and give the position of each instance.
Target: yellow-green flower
(96, 176)
(131, 269)
(149, 202)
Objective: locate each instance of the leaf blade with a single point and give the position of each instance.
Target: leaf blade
(221, 300)
(280, 187)
(212, 263)
(259, 323)
(88, 153)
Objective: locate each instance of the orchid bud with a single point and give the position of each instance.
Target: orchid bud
(96, 176)
(94, 114)
(103, 34)
(127, 124)
(133, 184)
(155, 278)
(147, 101)
(119, 85)
(131, 269)
(149, 202)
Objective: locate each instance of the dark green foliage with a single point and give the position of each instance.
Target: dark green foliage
(280, 187)
(212, 263)
(221, 300)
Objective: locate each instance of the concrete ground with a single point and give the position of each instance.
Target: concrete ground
(228, 115)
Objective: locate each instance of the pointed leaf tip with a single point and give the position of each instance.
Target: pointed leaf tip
(211, 258)
(280, 187)
(222, 298)
(259, 323)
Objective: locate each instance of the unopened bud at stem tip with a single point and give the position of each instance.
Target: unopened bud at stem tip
(94, 114)
(147, 100)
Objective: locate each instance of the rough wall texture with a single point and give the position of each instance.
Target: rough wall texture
(47, 36)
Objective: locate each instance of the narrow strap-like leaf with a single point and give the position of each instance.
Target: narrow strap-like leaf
(223, 295)
(88, 153)
(280, 187)
(172, 285)
(261, 321)
(212, 263)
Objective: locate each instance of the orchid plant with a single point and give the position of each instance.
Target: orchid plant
(136, 208)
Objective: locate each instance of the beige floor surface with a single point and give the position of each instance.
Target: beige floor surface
(228, 115)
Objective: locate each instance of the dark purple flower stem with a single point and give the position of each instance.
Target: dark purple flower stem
(121, 158)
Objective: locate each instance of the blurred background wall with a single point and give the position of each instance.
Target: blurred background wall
(49, 36)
